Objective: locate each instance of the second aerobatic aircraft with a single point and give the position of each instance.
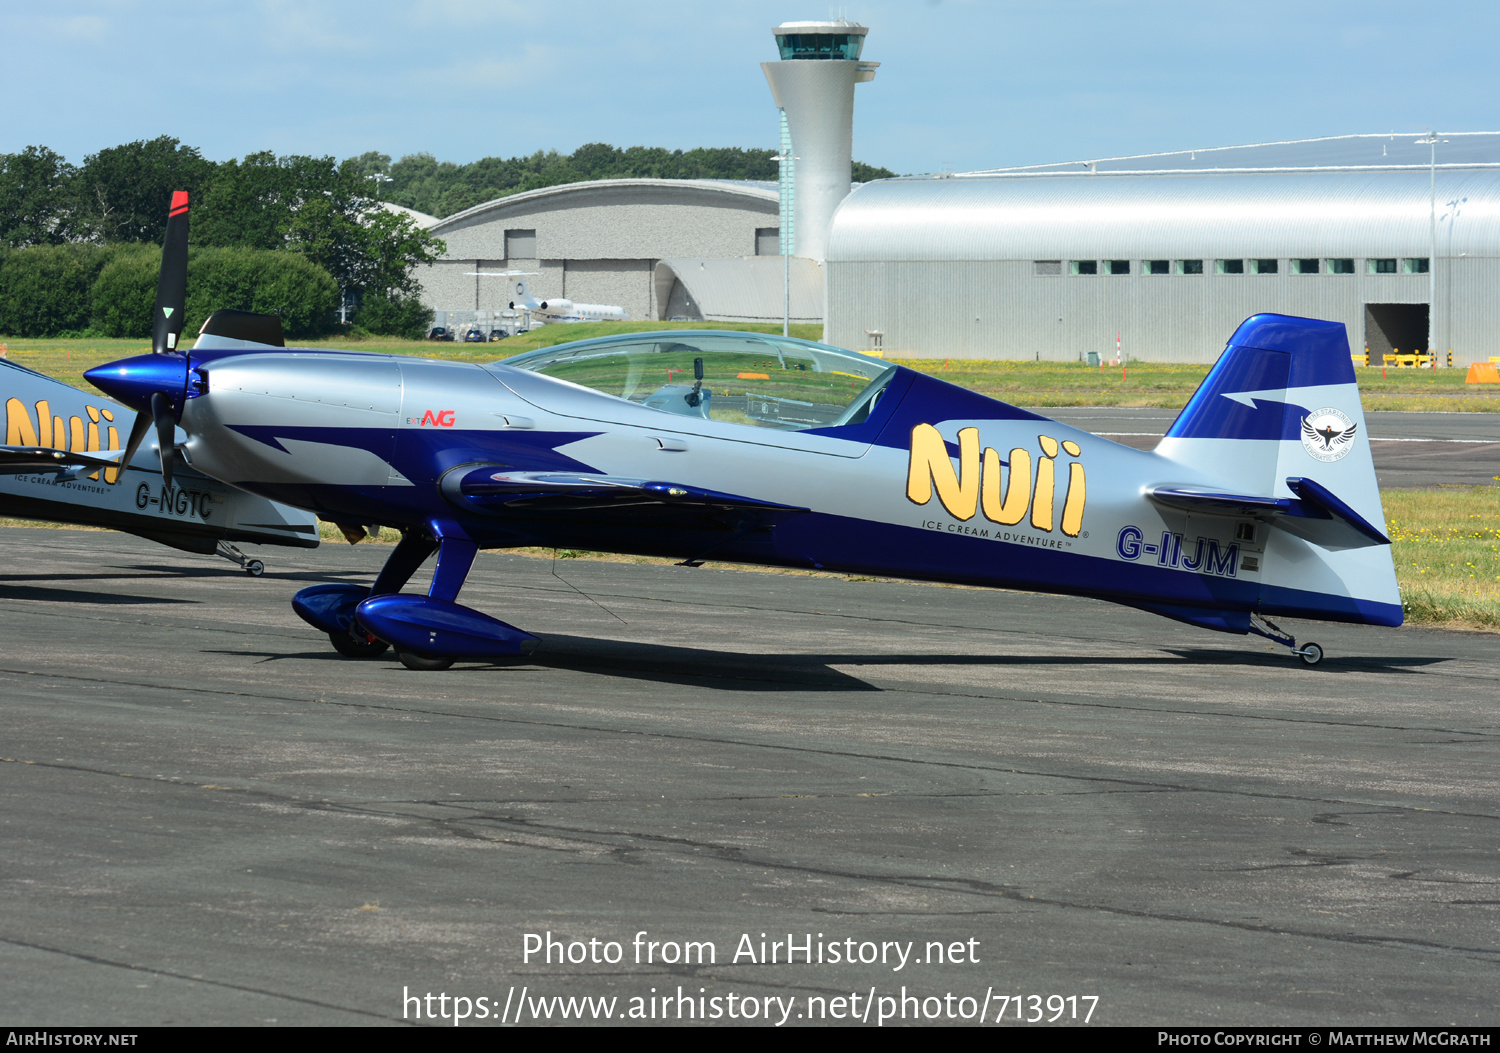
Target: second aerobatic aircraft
(762, 449)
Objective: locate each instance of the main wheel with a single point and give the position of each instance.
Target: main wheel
(421, 662)
(356, 646)
(1311, 654)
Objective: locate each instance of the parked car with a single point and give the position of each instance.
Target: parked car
(498, 334)
(473, 336)
(439, 332)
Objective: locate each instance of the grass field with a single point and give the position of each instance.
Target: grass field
(1028, 383)
(1446, 544)
(1169, 385)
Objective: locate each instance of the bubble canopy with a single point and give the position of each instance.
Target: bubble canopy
(738, 378)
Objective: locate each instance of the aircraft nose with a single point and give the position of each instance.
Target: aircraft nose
(133, 381)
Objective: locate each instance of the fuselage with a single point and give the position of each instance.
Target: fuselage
(938, 482)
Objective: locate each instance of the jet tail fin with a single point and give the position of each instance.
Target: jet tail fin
(1278, 421)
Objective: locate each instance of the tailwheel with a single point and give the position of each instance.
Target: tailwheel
(421, 662)
(1310, 653)
(357, 646)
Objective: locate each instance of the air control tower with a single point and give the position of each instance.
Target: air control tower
(813, 86)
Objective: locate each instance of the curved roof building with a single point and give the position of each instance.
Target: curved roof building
(596, 242)
(1061, 262)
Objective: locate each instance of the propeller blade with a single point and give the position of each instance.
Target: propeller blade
(161, 410)
(137, 433)
(171, 283)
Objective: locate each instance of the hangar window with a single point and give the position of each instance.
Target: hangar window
(1153, 267)
(1415, 266)
(1046, 266)
(1230, 267)
(1084, 267)
(1305, 266)
(1341, 266)
(1381, 266)
(1189, 266)
(764, 381)
(520, 245)
(1119, 266)
(767, 241)
(1266, 266)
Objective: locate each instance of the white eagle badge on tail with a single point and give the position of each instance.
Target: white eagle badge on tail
(1328, 434)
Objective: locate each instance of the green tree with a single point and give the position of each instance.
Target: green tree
(123, 296)
(303, 295)
(34, 197)
(863, 173)
(323, 210)
(395, 315)
(123, 193)
(441, 188)
(45, 289)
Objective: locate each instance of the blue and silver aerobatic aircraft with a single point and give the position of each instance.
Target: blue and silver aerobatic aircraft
(1260, 502)
(62, 462)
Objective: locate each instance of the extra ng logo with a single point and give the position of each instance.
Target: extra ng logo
(980, 486)
(1328, 434)
(429, 419)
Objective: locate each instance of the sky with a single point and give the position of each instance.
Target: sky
(963, 84)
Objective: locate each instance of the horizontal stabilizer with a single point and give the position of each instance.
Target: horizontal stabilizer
(1212, 504)
(17, 459)
(1315, 495)
(495, 490)
(1313, 502)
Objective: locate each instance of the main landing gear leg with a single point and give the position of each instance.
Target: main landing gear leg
(409, 554)
(432, 631)
(1310, 653)
(331, 607)
(455, 557)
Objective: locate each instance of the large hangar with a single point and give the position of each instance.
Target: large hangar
(1168, 254)
(597, 242)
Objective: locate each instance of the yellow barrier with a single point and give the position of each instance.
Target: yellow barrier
(1414, 360)
(1483, 373)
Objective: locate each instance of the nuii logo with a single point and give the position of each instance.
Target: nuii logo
(1004, 491)
(73, 434)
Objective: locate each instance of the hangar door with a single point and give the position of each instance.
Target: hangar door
(1390, 327)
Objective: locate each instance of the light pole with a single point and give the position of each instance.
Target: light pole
(782, 160)
(1432, 140)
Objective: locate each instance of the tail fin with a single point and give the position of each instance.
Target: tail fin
(524, 297)
(1279, 417)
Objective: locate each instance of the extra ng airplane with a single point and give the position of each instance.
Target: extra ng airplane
(555, 309)
(62, 462)
(1260, 502)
